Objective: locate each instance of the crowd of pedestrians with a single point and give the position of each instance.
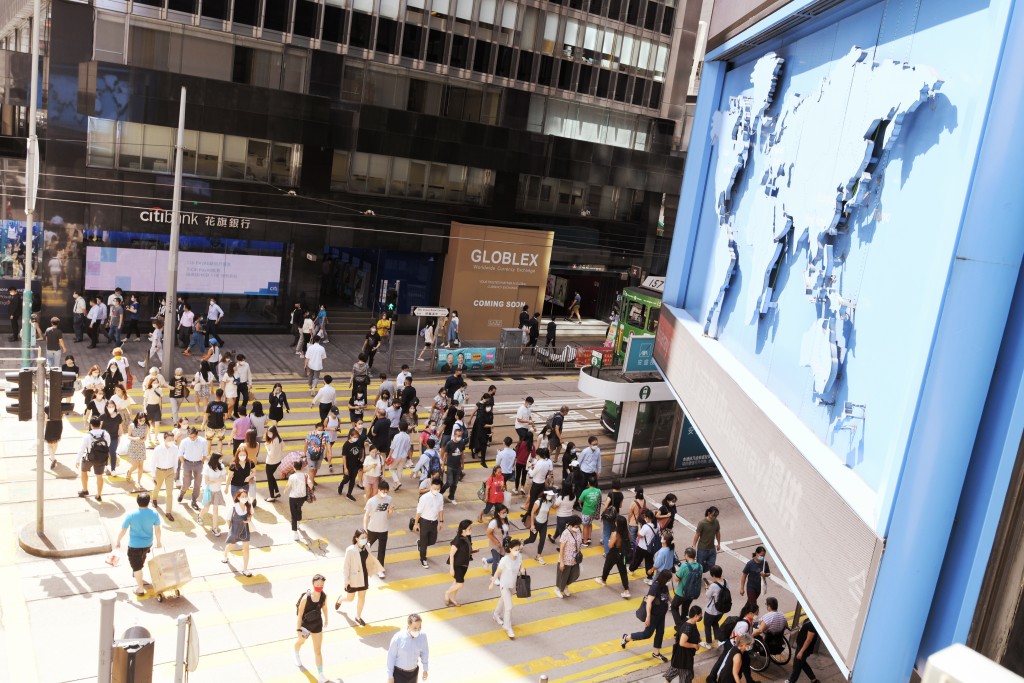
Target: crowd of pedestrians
(210, 450)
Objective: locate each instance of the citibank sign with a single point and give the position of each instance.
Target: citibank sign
(504, 258)
(189, 218)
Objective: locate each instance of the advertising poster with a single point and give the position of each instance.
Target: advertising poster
(466, 358)
(491, 273)
(144, 270)
(556, 289)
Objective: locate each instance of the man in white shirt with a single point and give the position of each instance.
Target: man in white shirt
(325, 397)
(192, 451)
(314, 363)
(401, 446)
(429, 513)
(85, 464)
(243, 373)
(542, 466)
(188, 319)
(214, 316)
(95, 323)
(118, 293)
(590, 459)
(524, 419)
(376, 521)
(165, 463)
(506, 460)
(400, 379)
(78, 316)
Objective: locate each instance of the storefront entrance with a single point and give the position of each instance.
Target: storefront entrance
(655, 437)
(354, 278)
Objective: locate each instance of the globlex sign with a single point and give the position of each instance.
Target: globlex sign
(490, 273)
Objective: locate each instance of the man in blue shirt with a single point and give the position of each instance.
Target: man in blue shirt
(141, 526)
(407, 651)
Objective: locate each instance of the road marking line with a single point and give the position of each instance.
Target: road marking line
(17, 626)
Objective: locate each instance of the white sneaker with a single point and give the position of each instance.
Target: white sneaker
(380, 575)
(498, 620)
(600, 581)
(320, 678)
(541, 560)
(648, 582)
(142, 364)
(511, 635)
(297, 537)
(559, 593)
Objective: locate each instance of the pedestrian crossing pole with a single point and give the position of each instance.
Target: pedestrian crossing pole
(31, 190)
(171, 298)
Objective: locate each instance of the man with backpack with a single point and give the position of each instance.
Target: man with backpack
(454, 452)
(93, 453)
(687, 586)
(719, 603)
(429, 466)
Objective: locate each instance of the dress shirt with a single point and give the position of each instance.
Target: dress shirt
(541, 469)
(400, 446)
(406, 652)
(188, 319)
(79, 306)
(590, 460)
(214, 313)
(506, 460)
(192, 451)
(400, 379)
(327, 394)
(430, 506)
(94, 314)
(315, 356)
(243, 373)
(165, 456)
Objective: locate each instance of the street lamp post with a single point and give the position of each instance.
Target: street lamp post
(31, 189)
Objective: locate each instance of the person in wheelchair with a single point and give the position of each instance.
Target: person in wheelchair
(772, 627)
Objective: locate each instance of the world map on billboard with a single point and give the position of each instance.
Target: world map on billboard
(807, 189)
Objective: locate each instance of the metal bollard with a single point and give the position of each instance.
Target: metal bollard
(543, 678)
(133, 657)
(107, 603)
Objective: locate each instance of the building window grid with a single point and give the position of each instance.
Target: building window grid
(378, 174)
(147, 147)
(656, 53)
(539, 194)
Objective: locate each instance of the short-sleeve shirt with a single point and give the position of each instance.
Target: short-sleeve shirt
(453, 453)
(707, 532)
(53, 336)
(541, 469)
(216, 410)
(523, 417)
(753, 571)
(556, 422)
(801, 637)
(509, 567)
(661, 597)
(589, 500)
(682, 657)
(140, 525)
(315, 356)
(377, 507)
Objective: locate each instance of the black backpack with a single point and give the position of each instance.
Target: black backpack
(726, 628)
(99, 450)
(723, 603)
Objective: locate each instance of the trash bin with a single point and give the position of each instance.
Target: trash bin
(133, 657)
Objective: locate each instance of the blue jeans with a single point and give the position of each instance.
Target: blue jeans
(113, 451)
(495, 559)
(707, 558)
(606, 533)
(196, 342)
(115, 334)
(53, 358)
(235, 490)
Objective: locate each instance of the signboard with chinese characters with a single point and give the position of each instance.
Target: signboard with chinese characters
(640, 354)
(196, 219)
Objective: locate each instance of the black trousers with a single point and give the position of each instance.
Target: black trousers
(295, 510)
(272, 487)
(428, 536)
(679, 609)
(403, 676)
(16, 326)
(351, 467)
(243, 398)
(615, 559)
(94, 334)
(381, 539)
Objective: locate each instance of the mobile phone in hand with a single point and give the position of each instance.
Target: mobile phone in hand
(304, 632)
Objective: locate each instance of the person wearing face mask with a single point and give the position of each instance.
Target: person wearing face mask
(278, 402)
(311, 611)
(460, 553)
(353, 452)
(92, 384)
(214, 317)
(510, 567)
(407, 652)
(480, 434)
(238, 532)
(358, 565)
(376, 518)
(497, 533)
(755, 570)
(112, 422)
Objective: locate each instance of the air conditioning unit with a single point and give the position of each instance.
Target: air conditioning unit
(960, 664)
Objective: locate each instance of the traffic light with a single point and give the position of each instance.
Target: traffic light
(391, 303)
(61, 386)
(20, 393)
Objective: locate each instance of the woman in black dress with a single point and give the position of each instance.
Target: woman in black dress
(460, 554)
(278, 402)
(359, 564)
(312, 620)
(480, 435)
(353, 451)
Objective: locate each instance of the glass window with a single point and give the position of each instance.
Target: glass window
(158, 149)
(490, 106)
(150, 49)
(550, 33)
(399, 177)
(488, 8)
(281, 165)
(440, 7)
(652, 322)
(207, 58)
(389, 8)
(266, 69)
(438, 180)
(644, 55)
(275, 15)
(478, 184)
(334, 23)
(464, 11)
(424, 97)
(339, 171)
(257, 160)
(357, 171)
(571, 38)
(191, 149)
(386, 89)
(456, 185)
(387, 35)
(208, 159)
(234, 157)
(412, 41)
(508, 16)
(528, 39)
(415, 4)
(109, 41)
(363, 6)
(661, 62)
(435, 46)
(294, 79)
(359, 34)
(101, 142)
(377, 175)
(417, 178)
(352, 83)
(535, 119)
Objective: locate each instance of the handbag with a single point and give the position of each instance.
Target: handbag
(523, 586)
(122, 447)
(481, 492)
(641, 611)
(207, 496)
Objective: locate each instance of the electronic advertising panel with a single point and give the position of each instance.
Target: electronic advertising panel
(145, 270)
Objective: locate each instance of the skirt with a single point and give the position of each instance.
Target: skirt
(153, 412)
(216, 496)
(276, 414)
(203, 391)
